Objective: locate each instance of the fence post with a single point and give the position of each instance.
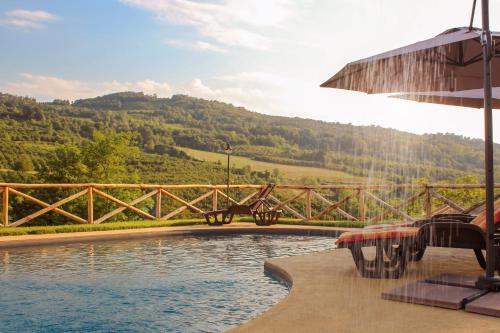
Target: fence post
(362, 205)
(214, 199)
(5, 206)
(428, 202)
(90, 205)
(158, 204)
(308, 204)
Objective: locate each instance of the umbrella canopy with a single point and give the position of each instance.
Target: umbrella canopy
(451, 61)
(467, 98)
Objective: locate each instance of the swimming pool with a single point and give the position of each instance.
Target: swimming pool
(170, 284)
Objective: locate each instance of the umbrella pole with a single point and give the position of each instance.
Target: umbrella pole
(488, 282)
(227, 188)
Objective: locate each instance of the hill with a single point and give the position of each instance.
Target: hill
(165, 127)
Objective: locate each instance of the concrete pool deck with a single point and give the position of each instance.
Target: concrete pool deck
(327, 295)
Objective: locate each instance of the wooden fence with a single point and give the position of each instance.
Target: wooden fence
(347, 202)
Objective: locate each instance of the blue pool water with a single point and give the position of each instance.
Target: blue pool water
(176, 284)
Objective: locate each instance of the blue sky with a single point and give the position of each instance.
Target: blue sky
(267, 55)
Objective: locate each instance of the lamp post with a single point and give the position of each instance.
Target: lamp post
(228, 151)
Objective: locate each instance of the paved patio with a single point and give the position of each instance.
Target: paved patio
(329, 296)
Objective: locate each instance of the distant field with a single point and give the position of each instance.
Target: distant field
(291, 172)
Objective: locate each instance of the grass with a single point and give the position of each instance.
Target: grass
(292, 172)
(338, 224)
(38, 230)
(68, 228)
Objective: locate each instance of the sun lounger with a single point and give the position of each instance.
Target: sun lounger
(395, 246)
(259, 209)
(466, 217)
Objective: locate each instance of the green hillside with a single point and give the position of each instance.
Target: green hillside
(297, 173)
(166, 127)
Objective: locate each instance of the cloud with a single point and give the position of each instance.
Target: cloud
(51, 87)
(231, 94)
(197, 45)
(27, 19)
(257, 91)
(32, 15)
(229, 22)
(21, 24)
(255, 79)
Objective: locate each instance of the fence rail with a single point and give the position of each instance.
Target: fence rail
(348, 202)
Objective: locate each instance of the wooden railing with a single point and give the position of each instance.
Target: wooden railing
(348, 202)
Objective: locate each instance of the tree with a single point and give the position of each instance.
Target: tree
(276, 173)
(60, 102)
(32, 112)
(102, 160)
(66, 166)
(147, 137)
(24, 163)
(464, 197)
(106, 156)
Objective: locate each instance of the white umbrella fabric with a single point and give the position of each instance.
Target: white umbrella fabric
(468, 98)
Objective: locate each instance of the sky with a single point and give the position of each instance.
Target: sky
(269, 56)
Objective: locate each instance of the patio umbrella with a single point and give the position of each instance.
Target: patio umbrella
(456, 60)
(451, 61)
(468, 98)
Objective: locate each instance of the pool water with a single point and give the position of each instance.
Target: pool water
(174, 284)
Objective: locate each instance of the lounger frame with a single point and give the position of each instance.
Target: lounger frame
(259, 209)
(393, 254)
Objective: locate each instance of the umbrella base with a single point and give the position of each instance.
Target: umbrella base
(452, 291)
(488, 305)
(454, 280)
(432, 294)
(488, 283)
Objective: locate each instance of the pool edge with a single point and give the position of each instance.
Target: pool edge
(8, 242)
(278, 273)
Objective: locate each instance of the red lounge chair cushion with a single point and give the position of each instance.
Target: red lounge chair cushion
(388, 225)
(480, 220)
(374, 234)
